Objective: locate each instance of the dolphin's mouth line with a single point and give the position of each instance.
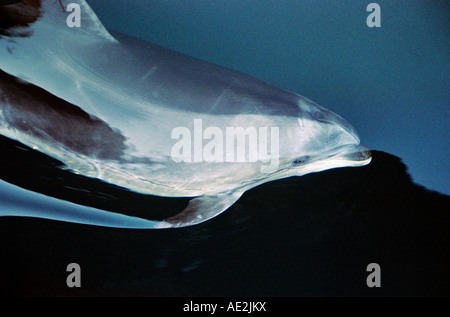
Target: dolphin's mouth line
(354, 154)
(348, 153)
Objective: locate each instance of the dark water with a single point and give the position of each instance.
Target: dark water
(310, 235)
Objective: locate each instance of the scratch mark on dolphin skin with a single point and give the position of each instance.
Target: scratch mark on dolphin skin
(62, 7)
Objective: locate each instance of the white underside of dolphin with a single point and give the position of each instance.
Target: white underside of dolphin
(107, 106)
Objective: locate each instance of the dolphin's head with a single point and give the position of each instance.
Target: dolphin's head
(323, 140)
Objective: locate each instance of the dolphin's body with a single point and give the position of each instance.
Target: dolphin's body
(107, 105)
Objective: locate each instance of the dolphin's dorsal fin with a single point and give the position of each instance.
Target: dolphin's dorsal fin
(26, 17)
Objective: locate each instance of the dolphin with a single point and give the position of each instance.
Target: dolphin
(151, 120)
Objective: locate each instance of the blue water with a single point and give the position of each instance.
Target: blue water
(391, 83)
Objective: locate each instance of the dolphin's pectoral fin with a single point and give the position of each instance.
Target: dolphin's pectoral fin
(201, 208)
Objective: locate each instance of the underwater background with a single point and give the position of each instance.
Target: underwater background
(302, 236)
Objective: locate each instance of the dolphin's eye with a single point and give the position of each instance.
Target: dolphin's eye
(301, 160)
(321, 116)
